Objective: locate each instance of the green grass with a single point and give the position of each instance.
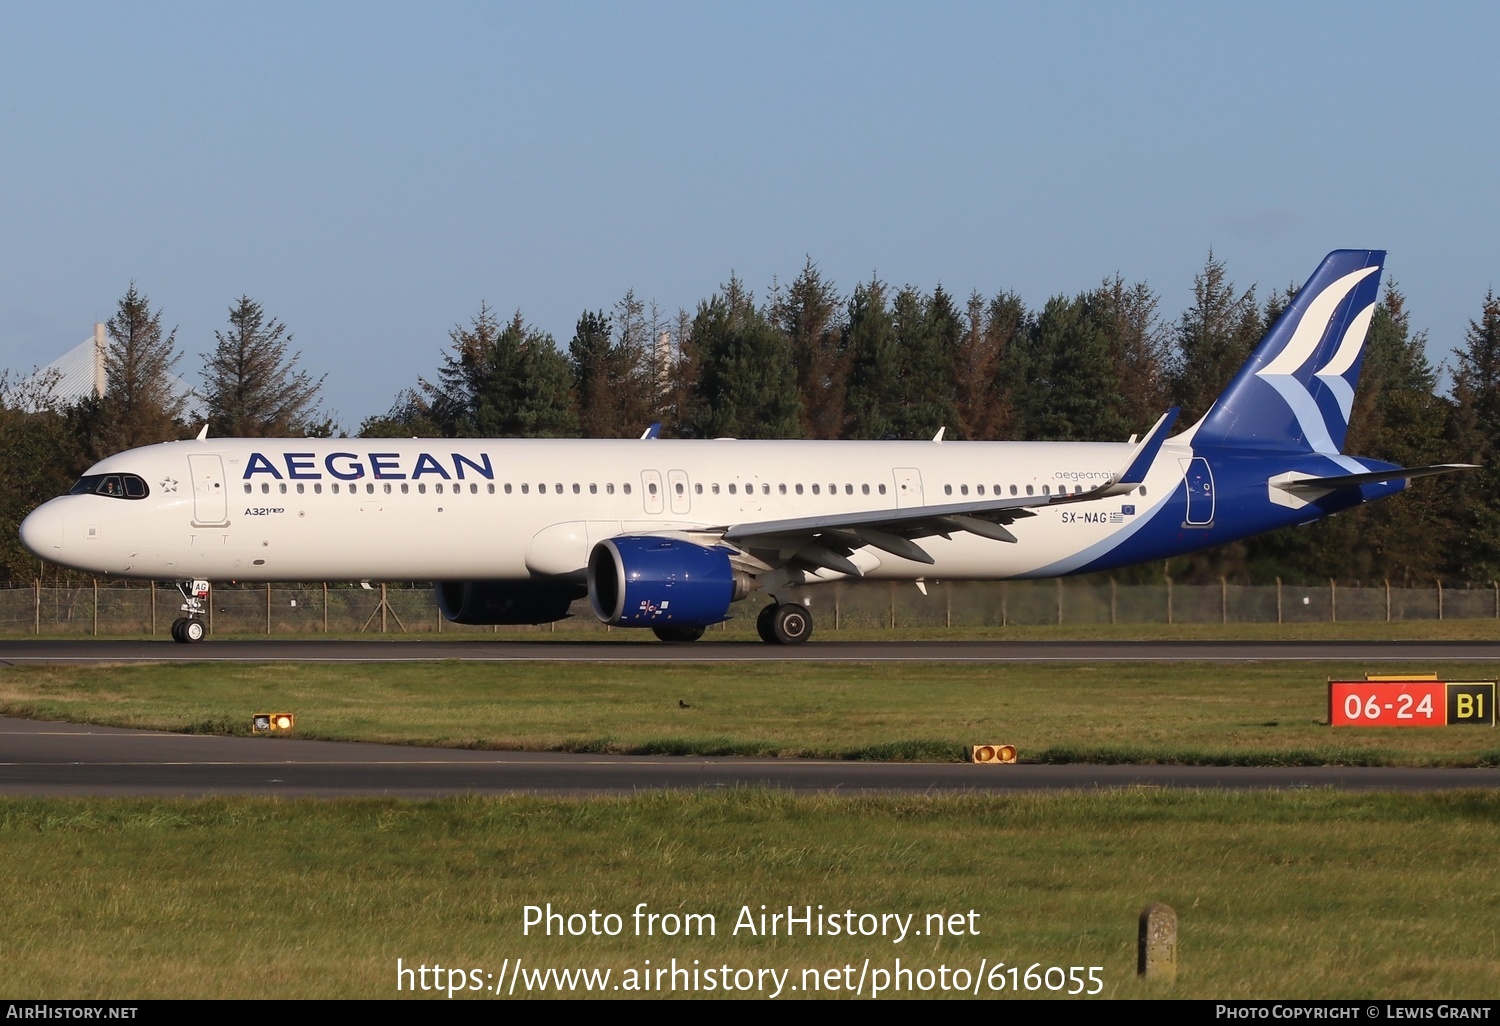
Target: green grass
(1311, 894)
(1244, 714)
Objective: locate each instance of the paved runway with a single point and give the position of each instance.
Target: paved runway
(13, 652)
(51, 759)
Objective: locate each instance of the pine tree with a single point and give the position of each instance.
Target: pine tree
(1214, 338)
(1475, 434)
(1007, 325)
(143, 402)
(873, 401)
(252, 389)
(746, 383)
(501, 382)
(809, 315)
(1073, 391)
(927, 332)
(1139, 347)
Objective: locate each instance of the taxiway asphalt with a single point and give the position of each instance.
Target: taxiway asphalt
(45, 759)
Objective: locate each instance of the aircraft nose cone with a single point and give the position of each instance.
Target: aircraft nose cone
(42, 531)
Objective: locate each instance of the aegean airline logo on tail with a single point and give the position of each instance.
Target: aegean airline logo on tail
(1286, 371)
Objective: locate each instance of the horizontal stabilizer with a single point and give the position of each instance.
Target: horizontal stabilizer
(1325, 484)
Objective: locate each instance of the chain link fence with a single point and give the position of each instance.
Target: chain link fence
(92, 609)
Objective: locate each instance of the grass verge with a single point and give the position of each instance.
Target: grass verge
(1245, 714)
(1311, 894)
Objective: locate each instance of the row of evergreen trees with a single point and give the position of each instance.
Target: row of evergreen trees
(881, 362)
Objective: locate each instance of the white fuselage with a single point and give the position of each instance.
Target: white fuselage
(510, 509)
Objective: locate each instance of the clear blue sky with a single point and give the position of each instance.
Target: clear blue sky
(372, 172)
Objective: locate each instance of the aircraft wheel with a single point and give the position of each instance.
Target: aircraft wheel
(765, 624)
(792, 623)
(177, 629)
(678, 633)
(194, 631)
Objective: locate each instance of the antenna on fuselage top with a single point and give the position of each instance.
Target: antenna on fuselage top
(203, 435)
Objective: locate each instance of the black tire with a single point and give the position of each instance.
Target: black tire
(765, 624)
(676, 634)
(792, 623)
(177, 630)
(194, 631)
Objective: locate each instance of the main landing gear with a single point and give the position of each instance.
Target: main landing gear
(191, 629)
(786, 623)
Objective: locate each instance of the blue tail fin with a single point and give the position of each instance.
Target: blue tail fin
(1297, 388)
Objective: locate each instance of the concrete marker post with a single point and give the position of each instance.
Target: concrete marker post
(1156, 948)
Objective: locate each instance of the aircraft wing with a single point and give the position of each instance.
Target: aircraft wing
(828, 541)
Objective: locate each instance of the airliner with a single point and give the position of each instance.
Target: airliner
(667, 534)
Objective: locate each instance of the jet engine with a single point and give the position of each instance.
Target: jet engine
(662, 582)
(506, 602)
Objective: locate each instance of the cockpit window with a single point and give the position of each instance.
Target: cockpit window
(116, 486)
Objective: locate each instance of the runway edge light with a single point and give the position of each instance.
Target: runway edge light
(998, 754)
(272, 723)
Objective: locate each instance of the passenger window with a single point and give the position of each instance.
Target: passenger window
(765, 489)
(247, 487)
(576, 488)
(558, 487)
(541, 489)
(626, 487)
(265, 489)
(387, 487)
(782, 489)
(651, 488)
(882, 489)
(370, 488)
(947, 489)
(609, 488)
(799, 489)
(473, 489)
(1013, 489)
(525, 488)
(405, 488)
(317, 489)
(963, 489)
(301, 487)
(1028, 490)
(593, 489)
(698, 489)
(981, 489)
(815, 490)
(335, 488)
(865, 489)
(1143, 490)
(1046, 489)
(731, 488)
(716, 488)
(680, 489)
(848, 489)
(281, 488)
(507, 488)
(489, 488)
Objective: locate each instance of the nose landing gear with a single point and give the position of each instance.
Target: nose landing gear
(190, 629)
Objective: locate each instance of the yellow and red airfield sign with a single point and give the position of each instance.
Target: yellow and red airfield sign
(1411, 701)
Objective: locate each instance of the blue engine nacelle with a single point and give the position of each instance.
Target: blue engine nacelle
(662, 582)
